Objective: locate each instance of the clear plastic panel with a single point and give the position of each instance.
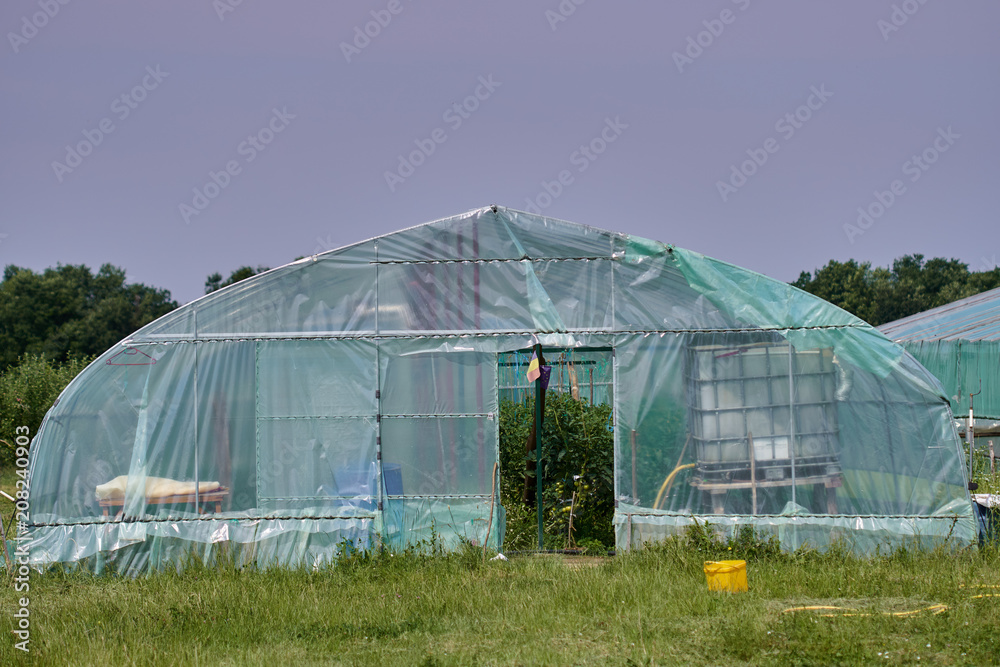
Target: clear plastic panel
(954, 528)
(420, 379)
(653, 295)
(713, 431)
(756, 299)
(421, 522)
(334, 293)
(943, 359)
(441, 456)
(542, 237)
(134, 549)
(161, 467)
(453, 297)
(179, 323)
(899, 456)
(316, 378)
(227, 445)
(578, 290)
(87, 437)
(322, 463)
(474, 235)
(501, 296)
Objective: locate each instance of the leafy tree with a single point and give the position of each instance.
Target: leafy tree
(214, 282)
(68, 310)
(846, 284)
(912, 285)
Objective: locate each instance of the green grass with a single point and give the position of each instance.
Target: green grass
(646, 607)
(651, 606)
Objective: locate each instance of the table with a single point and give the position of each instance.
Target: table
(207, 497)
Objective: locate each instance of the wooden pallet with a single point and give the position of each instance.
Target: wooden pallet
(822, 484)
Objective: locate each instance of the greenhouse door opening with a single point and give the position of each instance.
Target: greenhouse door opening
(577, 441)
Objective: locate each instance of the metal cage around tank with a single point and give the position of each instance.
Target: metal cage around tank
(762, 414)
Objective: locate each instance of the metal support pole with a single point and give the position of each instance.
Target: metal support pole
(791, 416)
(635, 448)
(538, 446)
(197, 473)
(969, 437)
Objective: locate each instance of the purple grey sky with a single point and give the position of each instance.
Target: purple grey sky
(868, 85)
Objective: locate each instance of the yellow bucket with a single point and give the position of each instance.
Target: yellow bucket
(726, 575)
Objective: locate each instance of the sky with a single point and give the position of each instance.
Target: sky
(178, 139)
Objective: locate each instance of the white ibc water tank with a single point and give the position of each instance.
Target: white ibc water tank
(782, 399)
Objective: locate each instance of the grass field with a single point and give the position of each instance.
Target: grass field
(651, 606)
(648, 607)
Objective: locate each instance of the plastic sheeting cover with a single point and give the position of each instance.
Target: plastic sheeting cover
(351, 399)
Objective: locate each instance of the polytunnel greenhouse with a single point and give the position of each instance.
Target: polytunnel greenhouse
(352, 397)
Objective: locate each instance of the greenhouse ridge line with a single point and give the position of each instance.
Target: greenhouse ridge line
(496, 212)
(484, 260)
(210, 338)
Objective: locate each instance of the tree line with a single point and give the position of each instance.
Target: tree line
(884, 294)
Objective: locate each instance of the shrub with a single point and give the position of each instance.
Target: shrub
(27, 391)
